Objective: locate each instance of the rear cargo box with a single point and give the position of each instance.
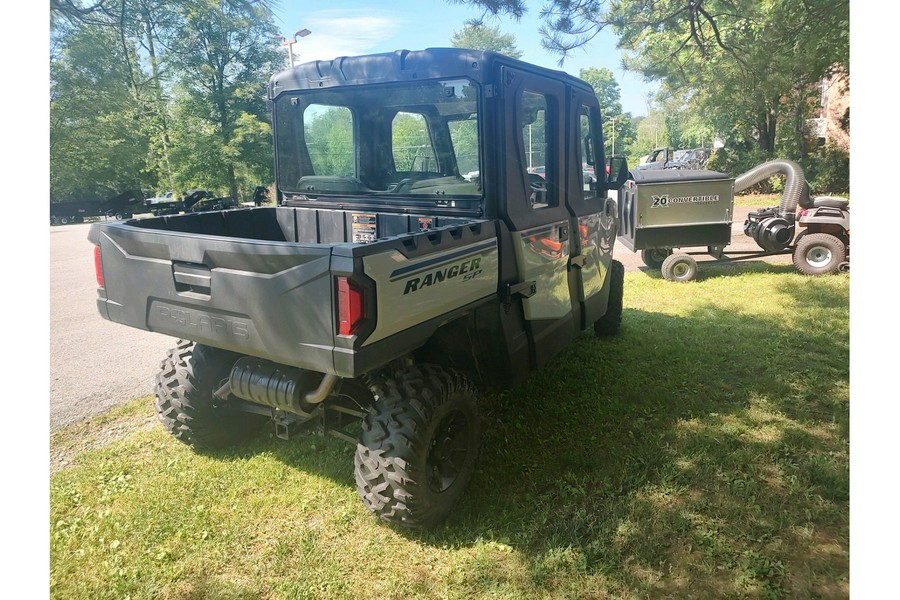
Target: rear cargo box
(676, 209)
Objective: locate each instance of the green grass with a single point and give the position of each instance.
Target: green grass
(703, 453)
(757, 200)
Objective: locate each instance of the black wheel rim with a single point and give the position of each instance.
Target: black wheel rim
(448, 451)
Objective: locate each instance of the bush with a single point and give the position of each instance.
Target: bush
(828, 171)
(736, 161)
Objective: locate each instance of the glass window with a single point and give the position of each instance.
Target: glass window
(411, 143)
(539, 154)
(409, 139)
(329, 134)
(587, 156)
(464, 135)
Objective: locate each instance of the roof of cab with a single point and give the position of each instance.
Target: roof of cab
(402, 65)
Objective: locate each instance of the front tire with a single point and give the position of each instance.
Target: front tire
(611, 322)
(185, 404)
(418, 446)
(679, 267)
(819, 254)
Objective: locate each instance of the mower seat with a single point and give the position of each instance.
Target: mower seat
(830, 202)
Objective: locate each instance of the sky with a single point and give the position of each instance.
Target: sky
(353, 27)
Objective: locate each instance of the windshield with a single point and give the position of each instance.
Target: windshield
(403, 139)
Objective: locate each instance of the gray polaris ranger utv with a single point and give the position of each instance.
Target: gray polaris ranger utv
(384, 284)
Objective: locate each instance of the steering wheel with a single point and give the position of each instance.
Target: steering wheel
(537, 183)
(407, 182)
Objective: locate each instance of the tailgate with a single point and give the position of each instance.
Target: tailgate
(267, 298)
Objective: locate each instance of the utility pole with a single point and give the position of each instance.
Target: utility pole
(613, 119)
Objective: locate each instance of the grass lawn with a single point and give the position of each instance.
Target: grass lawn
(703, 453)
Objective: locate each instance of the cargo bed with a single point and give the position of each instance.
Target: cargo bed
(261, 281)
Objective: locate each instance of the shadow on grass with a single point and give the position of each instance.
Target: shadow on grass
(703, 456)
(709, 268)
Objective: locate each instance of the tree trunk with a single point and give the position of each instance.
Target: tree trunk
(767, 129)
(222, 107)
(158, 98)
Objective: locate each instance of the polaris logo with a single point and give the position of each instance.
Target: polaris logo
(468, 269)
(202, 323)
(666, 201)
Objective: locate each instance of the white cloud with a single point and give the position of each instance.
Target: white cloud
(340, 32)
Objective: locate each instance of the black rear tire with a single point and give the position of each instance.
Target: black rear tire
(187, 379)
(418, 446)
(819, 254)
(611, 322)
(654, 257)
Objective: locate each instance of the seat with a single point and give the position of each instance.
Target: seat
(830, 202)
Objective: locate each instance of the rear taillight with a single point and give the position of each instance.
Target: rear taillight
(98, 265)
(351, 306)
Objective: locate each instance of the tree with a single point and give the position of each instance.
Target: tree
(618, 128)
(749, 66)
(224, 53)
(477, 36)
(195, 71)
(97, 144)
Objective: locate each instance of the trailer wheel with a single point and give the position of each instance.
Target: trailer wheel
(64, 220)
(185, 383)
(679, 267)
(819, 254)
(611, 322)
(654, 257)
(418, 446)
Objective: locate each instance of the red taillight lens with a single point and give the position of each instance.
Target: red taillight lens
(98, 265)
(351, 306)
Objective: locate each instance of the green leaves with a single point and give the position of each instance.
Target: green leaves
(150, 94)
(478, 36)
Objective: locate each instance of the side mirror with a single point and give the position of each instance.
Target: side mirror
(616, 172)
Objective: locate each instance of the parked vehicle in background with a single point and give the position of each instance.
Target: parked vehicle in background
(120, 206)
(695, 158)
(656, 160)
(167, 204)
(208, 203)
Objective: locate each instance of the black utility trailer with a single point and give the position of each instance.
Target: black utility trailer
(120, 206)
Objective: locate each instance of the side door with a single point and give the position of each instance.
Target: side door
(535, 209)
(593, 212)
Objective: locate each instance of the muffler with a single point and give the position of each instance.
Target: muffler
(279, 386)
